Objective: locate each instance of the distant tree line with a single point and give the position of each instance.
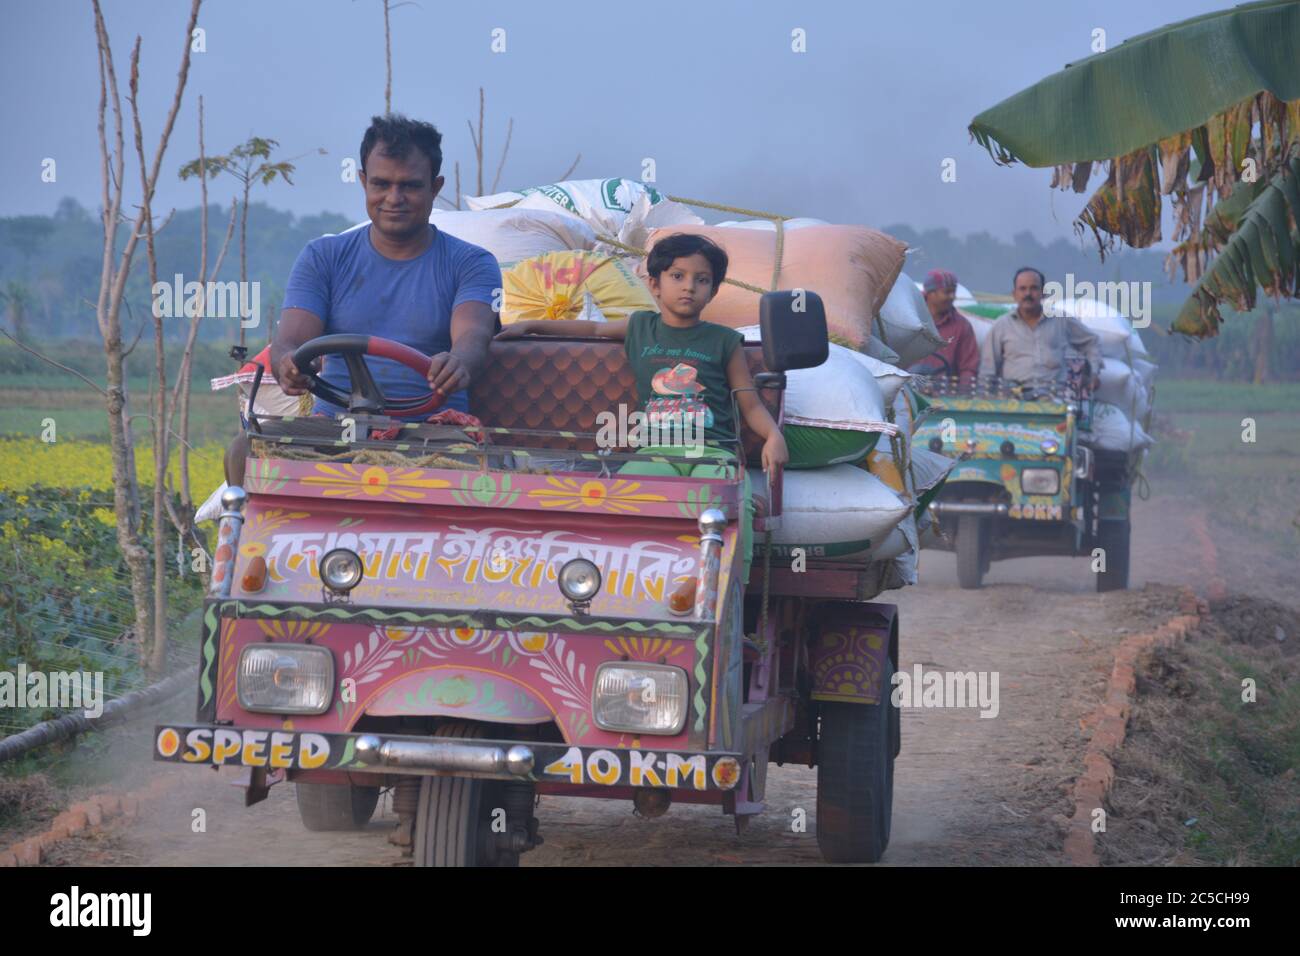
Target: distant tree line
(49, 266)
(49, 276)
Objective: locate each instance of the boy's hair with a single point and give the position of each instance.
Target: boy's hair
(399, 135)
(680, 244)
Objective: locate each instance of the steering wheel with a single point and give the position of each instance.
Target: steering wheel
(366, 396)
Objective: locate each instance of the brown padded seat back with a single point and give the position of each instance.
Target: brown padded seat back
(559, 384)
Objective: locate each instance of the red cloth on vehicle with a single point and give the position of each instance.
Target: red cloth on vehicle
(447, 416)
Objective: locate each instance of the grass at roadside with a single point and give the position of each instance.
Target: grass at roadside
(1206, 777)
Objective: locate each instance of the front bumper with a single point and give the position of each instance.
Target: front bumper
(989, 508)
(219, 745)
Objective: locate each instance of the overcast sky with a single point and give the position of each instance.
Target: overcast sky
(855, 129)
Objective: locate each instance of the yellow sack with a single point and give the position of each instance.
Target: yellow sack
(881, 463)
(551, 286)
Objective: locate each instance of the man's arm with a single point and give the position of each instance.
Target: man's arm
(577, 328)
(473, 320)
(991, 353)
(472, 323)
(296, 326)
(967, 355)
(1086, 341)
(306, 305)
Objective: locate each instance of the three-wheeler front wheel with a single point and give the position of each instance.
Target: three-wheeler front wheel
(463, 821)
(335, 806)
(855, 777)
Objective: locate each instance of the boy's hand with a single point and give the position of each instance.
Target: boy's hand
(513, 331)
(775, 454)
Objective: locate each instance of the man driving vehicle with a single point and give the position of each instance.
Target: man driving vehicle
(1029, 345)
(959, 356)
(397, 277)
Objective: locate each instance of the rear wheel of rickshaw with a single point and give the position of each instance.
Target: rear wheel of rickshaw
(856, 746)
(972, 550)
(454, 816)
(335, 806)
(1113, 539)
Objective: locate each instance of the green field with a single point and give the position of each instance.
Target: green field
(79, 413)
(1254, 486)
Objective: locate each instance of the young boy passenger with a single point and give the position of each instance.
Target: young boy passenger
(686, 369)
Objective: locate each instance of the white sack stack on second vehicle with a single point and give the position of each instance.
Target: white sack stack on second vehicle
(853, 483)
(1122, 403)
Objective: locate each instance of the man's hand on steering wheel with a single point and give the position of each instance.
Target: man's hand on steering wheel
(291, 380)
(447, 373)
(364, 394)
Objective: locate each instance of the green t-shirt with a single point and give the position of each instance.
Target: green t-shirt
(681, 374)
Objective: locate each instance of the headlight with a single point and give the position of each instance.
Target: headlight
(1040, 481)
(579, 580)
(640, 698)
(1050, 446)
(285, 679)
(1008, 449)
(340, 570)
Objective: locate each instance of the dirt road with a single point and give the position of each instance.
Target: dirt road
(968, 790)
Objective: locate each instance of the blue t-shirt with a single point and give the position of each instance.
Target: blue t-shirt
(353, 289)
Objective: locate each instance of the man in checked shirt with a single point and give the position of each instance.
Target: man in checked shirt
(1028, 345)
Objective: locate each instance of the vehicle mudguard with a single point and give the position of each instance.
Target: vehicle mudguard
(847, 661)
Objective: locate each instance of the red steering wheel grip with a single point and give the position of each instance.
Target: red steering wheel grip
(413, 359)
(352, 347)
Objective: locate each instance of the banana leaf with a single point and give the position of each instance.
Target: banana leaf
(1262, 250)
(1149, 88)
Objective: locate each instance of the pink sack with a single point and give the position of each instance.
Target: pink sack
(852, 268)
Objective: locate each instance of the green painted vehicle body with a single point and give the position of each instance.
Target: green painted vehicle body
(1041, 435)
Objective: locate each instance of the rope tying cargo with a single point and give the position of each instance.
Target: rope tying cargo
(369, 456)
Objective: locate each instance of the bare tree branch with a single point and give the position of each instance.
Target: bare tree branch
(388, 62)
(138, 333)
(479, 145)
(569, 172)
(510, 128)
(49, 361)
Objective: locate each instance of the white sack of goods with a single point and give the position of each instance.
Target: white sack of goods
(834, 413)
(880, 351)
(515, 234)
(1121, 386)
(888, 376)
(918, 480)
(908, 328)
(604, 205)
(980, 326)
(851, 268)
(1146, 371)
(840, 513)
(903, 568)
(1113, 430)
(798, 222)
(1118, 338)
(271, 399)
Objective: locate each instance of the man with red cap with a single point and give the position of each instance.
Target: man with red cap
(959, 356)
